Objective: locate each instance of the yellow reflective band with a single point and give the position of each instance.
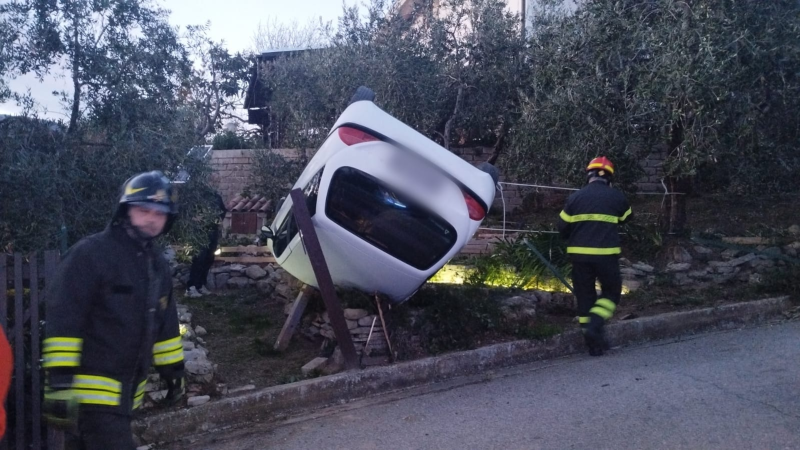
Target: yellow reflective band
(137, 402)
(584, 319)
(588, 218)
(168, 345)
(172, 357)
(594, 250)
(627, 213)
(599, 166)
(62, 359)
(96, 382)
(97, 397)
(607, 304)
(140, 388)
(602, 312)
(55, 344)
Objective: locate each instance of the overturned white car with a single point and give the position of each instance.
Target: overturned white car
(389, 205)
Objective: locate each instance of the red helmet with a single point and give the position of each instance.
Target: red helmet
(602, 166)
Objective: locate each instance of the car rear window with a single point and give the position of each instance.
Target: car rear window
(390, 221)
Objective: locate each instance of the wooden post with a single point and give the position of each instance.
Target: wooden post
(298, 306)
(36, 416)
(4, 320)
(324, 280)
(55, 437)
(385, 330)
(19, 349)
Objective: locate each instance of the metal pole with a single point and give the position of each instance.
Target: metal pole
(549, 266)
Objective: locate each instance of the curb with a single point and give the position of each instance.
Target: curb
(278, 402)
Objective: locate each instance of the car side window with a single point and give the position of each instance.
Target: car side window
(284, 234)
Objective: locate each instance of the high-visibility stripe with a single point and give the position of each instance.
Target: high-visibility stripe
(607, 304)
(168, 345)
(625, 216)
(97, 397)
(584, 319)
(55, 344)
(588, 218)
(599, 166)
(602, 312)
(594, 250)
(97, 383)
(62, 359)
(172, 357)
(139, 397)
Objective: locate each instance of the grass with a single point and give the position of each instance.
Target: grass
(242, 327)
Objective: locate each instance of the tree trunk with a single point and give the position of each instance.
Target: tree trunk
(448, 125)
(76, 83)
(673, 218)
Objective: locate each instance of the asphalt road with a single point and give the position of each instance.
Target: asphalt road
(732, 390)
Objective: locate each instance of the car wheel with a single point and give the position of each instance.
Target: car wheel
(363, 93)
(491, 170)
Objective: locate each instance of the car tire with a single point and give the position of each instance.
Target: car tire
(491, 170)
(363, 93)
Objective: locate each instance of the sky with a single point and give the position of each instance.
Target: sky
(234, 21)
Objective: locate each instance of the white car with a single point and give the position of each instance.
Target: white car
(389, 205)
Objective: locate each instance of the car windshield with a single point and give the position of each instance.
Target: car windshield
(377, 213)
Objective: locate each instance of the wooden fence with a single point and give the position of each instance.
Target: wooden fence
(21, 310)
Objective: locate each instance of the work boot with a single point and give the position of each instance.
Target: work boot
(204, 290)
(192, 293)
(596, 340)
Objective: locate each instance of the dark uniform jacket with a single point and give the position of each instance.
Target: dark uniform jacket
(110, 313)
(590, 221)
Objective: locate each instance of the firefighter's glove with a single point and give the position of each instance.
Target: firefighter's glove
(176, 383)
(61, 408)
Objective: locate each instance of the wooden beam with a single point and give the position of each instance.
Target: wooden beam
(295, 314)
(246, 259)
(324, 280)
(245, 249)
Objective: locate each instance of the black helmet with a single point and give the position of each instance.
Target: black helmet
(150, 189)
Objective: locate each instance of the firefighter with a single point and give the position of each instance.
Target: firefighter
(110, 314)
(590, 222)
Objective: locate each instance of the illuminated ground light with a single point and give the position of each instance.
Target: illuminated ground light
(456, 274)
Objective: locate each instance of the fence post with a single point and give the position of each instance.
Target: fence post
(36, 397)
(3, 320)
(55, 437)
(19, 350)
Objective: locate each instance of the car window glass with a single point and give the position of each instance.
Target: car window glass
(387, 219)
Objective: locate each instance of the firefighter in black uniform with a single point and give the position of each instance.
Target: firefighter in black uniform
(590, 222)
(110, 314)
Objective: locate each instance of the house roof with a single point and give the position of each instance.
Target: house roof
(240, 203)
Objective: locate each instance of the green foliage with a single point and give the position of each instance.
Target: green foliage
(451, 75)
(229, 140)
(514, 265)
(782, 281)
(139, 103)
(456, 317)
(274, 175)
(713, 84)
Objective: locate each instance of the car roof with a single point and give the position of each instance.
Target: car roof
(366, 114)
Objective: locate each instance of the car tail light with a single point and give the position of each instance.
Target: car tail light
(474, 208)
(352, 136)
